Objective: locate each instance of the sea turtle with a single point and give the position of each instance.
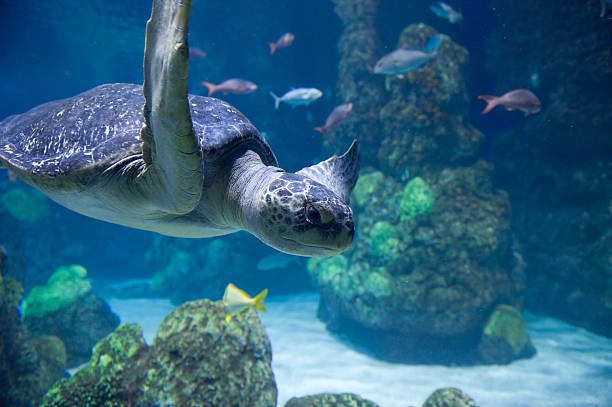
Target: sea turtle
(184, 165)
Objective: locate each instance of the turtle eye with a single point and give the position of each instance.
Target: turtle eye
(317, 215)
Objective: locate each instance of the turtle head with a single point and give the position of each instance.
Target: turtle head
(307, 213)
(300, 216)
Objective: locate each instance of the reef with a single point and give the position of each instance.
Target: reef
(449, 397)
(26, 205)
(65, 307)
(196, 358)
(427, 280)
(556, 164)
(28, 365)
(330, 400)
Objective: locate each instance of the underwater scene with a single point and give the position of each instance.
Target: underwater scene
(306, 203)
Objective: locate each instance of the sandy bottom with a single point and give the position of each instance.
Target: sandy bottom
(573, 367)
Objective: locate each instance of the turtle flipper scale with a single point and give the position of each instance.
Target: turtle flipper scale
(170, 147)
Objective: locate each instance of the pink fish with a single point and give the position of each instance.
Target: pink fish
(234, 85)
(284, 41)
(335, 117)
(517, 99)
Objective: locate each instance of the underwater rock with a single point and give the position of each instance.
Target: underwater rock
(358, 47)
(330, 400)
(196, 358)
(556, 165)
(419, 287)
(66, 307)
(504, 337)
(28, 366)
(426, 121)
(449, 397)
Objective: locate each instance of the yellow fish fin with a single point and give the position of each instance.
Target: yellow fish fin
(259, 300)
(228, 318)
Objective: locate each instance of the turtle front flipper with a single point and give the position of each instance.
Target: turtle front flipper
(170, 147)
(337, 173)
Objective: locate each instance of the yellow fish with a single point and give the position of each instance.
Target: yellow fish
(237, 302)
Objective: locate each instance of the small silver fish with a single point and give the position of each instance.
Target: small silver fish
(284, 41)
(403, 60)
(446, 12)
(299, 96)
(234, 85)
(335, 117)
(517, 99)
(237, 302)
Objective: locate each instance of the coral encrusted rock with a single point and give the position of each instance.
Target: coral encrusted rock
(449, 397)
(196, 359)
(432, 258)
(67, 308)
(330, 400)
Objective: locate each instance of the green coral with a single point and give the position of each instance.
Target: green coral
(383, 240)
(417, 199)
(329, 268)
(63, 288)
(366, 185)
(507, 323)
(26, 205)
(378, 283)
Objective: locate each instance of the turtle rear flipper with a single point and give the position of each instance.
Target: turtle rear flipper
(170, 147)
(337, 173)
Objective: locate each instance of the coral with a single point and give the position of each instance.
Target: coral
(504, 337)
(417, 199)
(62, 289)
(366, 185)
(427, 280)
(449, 397)
(28, 366)
(383, 240)
(26, 205)
(426, 120)
(556, 164)
(330, 400)
(196, 358)
(80, 325)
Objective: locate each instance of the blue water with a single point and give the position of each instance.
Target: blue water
(54, 50)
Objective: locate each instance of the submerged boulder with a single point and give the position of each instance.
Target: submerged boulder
(197, 358)
(67, 308)
(433, 256)
(330, 400)
(449, 397)
(28, 366)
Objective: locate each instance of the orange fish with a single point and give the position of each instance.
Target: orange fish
(234, 85)
(517, 99)
(196, 53)
(335, 117)
(284, 41)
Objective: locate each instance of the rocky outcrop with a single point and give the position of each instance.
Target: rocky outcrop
(28, 366)
(65, 307)
(197, 358)
(556, 164)
(449, 397)
(330, 400)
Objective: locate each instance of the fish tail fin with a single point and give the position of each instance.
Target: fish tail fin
(212, 88)
(321, 130)
(259, 300)
(276, 100)
(272, 47)
(491, 102)
(433, 43)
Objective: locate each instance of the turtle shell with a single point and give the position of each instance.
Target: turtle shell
(94, 130)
